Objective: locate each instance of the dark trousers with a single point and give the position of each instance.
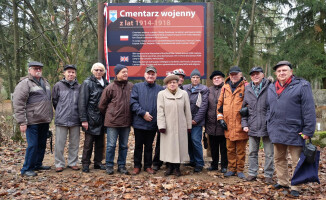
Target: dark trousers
(156, 159)
(143, 140)
(98, 141)
(36, 143)
(218, 144)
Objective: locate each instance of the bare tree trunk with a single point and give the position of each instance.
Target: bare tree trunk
(17, 135)
(322, 25)
(235, 29)
(252, 46)
(252, 18)
(23, 52)
(16, 41)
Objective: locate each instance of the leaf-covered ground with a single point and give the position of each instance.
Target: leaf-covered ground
(71, 184)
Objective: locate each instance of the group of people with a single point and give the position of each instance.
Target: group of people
(231, 112)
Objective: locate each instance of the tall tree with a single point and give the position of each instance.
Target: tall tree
(303, 43)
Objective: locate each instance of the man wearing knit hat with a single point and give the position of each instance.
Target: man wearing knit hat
(231, 99)
(198, 95)
(115, 104)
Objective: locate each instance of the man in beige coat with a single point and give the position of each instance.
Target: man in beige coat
(174, 121)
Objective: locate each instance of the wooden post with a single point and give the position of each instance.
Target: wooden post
(210, 51)
(210, 41)
(100, 32)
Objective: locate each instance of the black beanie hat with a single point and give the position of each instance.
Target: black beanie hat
(118, 68)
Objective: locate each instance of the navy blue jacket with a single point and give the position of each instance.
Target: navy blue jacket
(291, 113)
(198, 113)
(144, 99)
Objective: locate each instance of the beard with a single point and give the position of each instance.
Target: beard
(38, 74)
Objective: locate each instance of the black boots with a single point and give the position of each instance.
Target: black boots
(169, 170)
(172, 167)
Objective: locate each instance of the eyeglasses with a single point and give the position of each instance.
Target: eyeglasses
(101, 70)
(37, 68)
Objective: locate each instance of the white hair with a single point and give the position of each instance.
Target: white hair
(97, 65)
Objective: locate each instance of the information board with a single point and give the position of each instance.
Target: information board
(167, 36)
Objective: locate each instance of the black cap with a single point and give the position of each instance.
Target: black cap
(69, 67)
(256, 69)
(235, 69)
(35, 63)
(216, 73)
(150, 68)
(281, 63)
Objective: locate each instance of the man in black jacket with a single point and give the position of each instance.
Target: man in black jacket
(91, 118)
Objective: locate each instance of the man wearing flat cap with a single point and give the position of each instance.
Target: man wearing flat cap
(143, 104)
(254, 123)
(229, 117)
(33, 112)
(65, 94)
(291, 119)
(115, 105)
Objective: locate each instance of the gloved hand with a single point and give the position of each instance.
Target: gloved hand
(244, 112)
(189, 131)
(223, 124)
(162, 130)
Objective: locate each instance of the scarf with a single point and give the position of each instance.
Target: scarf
(280, 88)
(234, 85)
(257, 88)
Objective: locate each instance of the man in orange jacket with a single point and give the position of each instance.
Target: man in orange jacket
(228, 115)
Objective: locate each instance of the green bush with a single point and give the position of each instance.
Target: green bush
(318, 137)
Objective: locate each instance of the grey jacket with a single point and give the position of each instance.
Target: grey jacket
(65, 103)
(198, 113)
(32, 104)
(257, 107)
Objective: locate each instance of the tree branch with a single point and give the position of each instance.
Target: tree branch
(89, 19)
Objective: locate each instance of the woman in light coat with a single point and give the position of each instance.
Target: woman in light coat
(174, 123)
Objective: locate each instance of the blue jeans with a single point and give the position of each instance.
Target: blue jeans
(112, 136)
(195, 146)
(36, 144)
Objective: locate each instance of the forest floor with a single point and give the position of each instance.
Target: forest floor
(97, 184)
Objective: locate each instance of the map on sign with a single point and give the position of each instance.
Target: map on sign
(167, 36)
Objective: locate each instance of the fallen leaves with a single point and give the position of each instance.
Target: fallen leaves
(98, 185)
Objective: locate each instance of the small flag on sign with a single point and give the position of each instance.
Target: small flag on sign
(124, 37)
(124, 58)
